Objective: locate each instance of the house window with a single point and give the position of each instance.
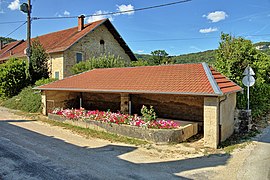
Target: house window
(56, 74)
(79, 57)
(102, 46)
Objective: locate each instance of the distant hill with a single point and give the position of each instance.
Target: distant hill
(7, 40)
(205, 56)
(263, 46)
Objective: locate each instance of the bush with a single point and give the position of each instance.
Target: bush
(233, 56)
(28, 100)
(43, 81)
(105, 61)
(148, 115)
(12, 77)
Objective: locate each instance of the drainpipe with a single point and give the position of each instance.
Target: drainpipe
(81, 100)
(219, 119)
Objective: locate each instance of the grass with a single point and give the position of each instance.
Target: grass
(238, 141)
(86, 132)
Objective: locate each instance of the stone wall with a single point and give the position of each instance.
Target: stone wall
(170, 106)
(90, 46)
(57, 99)
(227, 111)
(211, 123)
(101, 101)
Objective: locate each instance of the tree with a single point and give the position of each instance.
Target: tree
(233, 56)
(159, 57)
(105, 61)
(12, 77)
(39, 62)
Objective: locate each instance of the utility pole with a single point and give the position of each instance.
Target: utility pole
(26, 8)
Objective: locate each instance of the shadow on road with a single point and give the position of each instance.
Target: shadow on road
(30, 154)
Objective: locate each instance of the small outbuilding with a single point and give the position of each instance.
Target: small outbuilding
(191, 92)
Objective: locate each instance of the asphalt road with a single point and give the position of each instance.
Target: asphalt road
(257, 164)
(32, 150)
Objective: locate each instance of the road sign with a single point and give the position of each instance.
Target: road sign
(248, 81)
(249, 71)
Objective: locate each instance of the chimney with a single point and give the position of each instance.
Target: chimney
(81, 22)
(1, 45)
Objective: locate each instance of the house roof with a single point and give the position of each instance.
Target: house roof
(61, 40)
(193, 79)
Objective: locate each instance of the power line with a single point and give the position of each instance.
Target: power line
(118, 12)
(16, 29)
(11, 22)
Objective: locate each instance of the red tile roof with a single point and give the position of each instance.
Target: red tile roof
(61, 40)
(168, 79)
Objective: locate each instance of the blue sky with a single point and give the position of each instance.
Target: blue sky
(182, 28)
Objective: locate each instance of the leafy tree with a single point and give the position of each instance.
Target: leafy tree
(105, 61)
(39, 62)
(159, 57)
(12, 77)
(233, 56)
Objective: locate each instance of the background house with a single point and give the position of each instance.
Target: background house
(191, 92)
(70, 46)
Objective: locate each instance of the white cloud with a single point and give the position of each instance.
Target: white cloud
(208, 30)
(140, 51)
(216, 16)
(128, 8)
(66, 13)
(98, 16)
(15, 5)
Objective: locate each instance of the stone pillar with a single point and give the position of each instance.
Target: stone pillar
(124, 103)
(211, 124)
(44, 102)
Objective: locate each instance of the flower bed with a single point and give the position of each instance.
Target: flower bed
(111, 117)
(158, 131)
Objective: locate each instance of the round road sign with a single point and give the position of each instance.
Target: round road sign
(248, 81)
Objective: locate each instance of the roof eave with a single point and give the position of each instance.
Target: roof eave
(124, 91)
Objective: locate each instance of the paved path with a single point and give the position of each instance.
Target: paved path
(33, 150)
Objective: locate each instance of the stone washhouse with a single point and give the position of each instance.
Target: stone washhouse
(186, 92)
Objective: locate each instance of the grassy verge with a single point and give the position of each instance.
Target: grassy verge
(86, 132)
(238, 141)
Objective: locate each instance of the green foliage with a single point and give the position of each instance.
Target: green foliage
(233, 56)
(105, 61)
(43, 81)
(6, 40)
(205, 56)
(159, 57)
(39, 62)
(140, 62)
(28, 100)
(148, 114)
(12, 77)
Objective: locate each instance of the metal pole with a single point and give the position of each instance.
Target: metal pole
(28, 40)
(248, 97)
